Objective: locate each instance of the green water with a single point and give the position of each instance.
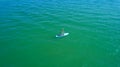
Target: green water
(28, 29)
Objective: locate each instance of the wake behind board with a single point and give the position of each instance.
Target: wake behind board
(65, 34)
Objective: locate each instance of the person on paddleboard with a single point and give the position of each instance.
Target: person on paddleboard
(62, 32)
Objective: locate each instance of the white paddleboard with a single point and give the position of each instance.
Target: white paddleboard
(65, 34)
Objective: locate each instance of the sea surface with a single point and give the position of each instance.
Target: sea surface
(28, 29)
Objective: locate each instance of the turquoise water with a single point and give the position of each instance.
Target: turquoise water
(28, 29)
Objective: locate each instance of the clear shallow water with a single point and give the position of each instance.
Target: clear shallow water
(28, 29)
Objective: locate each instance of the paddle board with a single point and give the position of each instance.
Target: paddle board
(65, 34)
